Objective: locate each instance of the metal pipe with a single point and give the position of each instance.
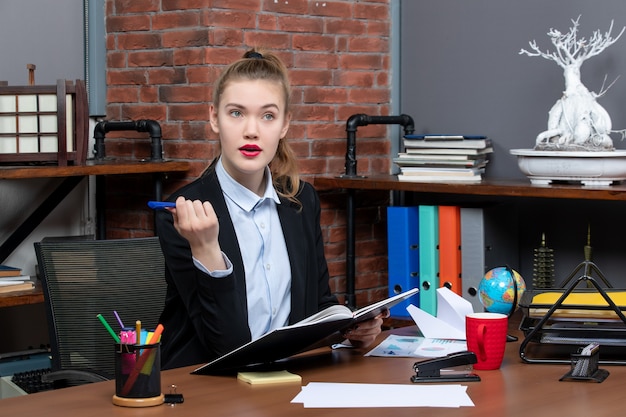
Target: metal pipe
(352, 125)
(360, 119)
(350, 252)
(151, 126)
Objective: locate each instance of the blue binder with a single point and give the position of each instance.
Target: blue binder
(428, 257)
(403, 255)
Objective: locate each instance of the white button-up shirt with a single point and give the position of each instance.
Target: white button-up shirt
(263, 250)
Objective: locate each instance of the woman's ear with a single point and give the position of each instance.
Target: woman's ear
(213, 119)
(285, 128)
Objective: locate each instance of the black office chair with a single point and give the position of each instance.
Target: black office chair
(84, 278)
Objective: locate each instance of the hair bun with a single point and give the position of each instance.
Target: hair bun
(254, 55)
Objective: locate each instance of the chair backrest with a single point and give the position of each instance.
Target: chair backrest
(84, 278)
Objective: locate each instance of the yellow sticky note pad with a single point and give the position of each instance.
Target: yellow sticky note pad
(276, 377)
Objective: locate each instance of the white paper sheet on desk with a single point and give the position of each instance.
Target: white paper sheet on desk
(416, 347)
(340, 395)
(450, 320)
(435, 348)
(397, 346)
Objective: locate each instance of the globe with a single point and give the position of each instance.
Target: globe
(496, 290)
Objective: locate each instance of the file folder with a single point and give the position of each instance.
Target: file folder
(489, 237)
(403, 255)
(428, 257)
(450, 248)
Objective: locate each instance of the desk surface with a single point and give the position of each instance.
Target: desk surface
(517, 389)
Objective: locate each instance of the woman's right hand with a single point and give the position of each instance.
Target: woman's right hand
(197, 222)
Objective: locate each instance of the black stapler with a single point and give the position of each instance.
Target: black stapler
(455, 367)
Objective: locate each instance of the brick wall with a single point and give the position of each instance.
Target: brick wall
(163, 56)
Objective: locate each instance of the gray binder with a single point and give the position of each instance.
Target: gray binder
(489, 238)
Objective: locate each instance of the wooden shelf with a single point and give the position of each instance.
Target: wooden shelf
(17, 298)
(486, 191)
(105, 167)
(496, 188)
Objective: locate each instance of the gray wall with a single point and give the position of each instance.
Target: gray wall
(461, 72)
(47, 33)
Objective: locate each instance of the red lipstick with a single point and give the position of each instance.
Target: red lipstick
(250, 150)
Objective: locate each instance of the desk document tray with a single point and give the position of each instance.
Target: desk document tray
(558, 321)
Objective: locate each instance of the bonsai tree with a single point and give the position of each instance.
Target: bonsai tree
(576, 122)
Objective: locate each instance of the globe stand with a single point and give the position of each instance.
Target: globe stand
(510, 337)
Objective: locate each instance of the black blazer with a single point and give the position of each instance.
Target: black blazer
(206, 317)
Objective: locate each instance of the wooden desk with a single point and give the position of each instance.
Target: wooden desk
(516, 390)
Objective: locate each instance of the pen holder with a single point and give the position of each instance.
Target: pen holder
(585, 368)
(138, 375)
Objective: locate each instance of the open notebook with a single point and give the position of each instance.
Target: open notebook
(298, 337)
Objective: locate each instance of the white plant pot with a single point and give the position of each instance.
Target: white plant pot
(588, 168)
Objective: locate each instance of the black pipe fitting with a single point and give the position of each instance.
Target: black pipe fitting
(152, 127)
(357, 120)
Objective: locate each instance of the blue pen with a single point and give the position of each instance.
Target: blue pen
(161, 205)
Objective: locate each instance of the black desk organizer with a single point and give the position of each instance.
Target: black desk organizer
(574, 333)
(585, 368)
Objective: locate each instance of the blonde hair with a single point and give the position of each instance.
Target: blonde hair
(260, 65)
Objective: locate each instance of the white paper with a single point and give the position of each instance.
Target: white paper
(27, 124)
(16, 278)
(8, 124)
(397, 346)
(26, 103)
(6, 283)
(450, 320)
(340, 395)
(452, 308)
(436, 348)
(7, 104)
(48, 103)
(432, 327)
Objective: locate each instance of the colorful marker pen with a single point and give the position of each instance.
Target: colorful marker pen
(109, 329)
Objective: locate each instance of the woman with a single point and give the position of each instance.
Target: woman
(243, 247)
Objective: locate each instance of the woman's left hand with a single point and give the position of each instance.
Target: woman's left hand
(364, 333)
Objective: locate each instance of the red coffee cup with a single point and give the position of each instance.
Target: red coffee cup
(486, 337)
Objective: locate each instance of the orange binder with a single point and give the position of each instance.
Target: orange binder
(450, 248)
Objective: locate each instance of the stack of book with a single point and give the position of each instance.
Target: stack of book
(443, 158)
(11, 279)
